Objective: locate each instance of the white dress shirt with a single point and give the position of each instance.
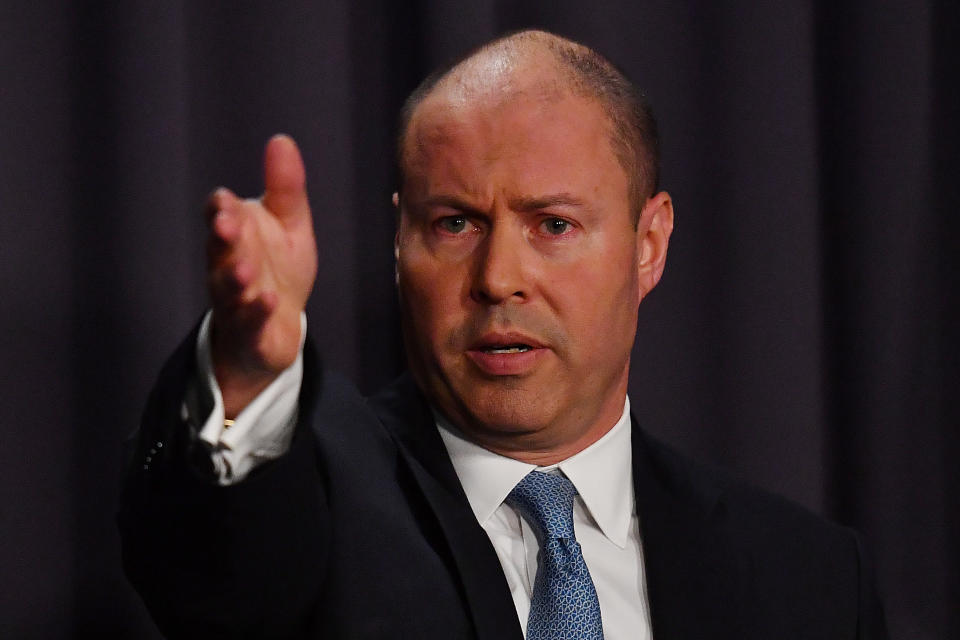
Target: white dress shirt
(262, 431)
(604, 511)
(604, 521)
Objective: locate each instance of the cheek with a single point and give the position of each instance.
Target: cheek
(430, 295)
(599, 299)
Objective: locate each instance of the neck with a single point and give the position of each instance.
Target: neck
(550, 445)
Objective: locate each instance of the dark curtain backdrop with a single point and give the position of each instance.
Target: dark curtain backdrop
(801, 338)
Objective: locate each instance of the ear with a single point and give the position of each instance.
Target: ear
(653, 236)
(395, 199)
(396, 238)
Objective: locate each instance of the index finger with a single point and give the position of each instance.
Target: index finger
(284, 177)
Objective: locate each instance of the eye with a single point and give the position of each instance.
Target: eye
(556, 226)
(453, 224)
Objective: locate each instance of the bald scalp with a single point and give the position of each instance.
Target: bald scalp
(549, 67)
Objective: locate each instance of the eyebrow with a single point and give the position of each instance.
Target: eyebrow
(520, 203)
(447, 201)
(533, 203)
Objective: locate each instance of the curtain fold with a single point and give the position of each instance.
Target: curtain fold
(802, 336)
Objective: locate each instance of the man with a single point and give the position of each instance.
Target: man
(501, 488)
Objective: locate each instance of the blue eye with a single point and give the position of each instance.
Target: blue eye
(556, 226)
(453, 224)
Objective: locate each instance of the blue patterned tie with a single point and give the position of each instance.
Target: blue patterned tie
(564, 602)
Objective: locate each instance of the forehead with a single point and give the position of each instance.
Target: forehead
(537, 134)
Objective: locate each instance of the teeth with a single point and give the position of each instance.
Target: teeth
(514, 349)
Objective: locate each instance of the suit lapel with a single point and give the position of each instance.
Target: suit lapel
(693, 569)
(407, 416)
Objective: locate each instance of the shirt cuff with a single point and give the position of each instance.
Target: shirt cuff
(262, 431)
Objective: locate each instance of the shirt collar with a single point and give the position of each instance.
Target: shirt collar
(602, 474)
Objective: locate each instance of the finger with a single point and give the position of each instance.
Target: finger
(225, 241)
(257, 308)
(227, 226)
(225, 215)
(231, 235)
(225, 286)
(243, 320)
(234, 282)
(220, 199)
(284, 178)
(253, 315)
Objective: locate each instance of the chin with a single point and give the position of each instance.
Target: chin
(503, 411)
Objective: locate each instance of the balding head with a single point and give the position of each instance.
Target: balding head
(542, 65)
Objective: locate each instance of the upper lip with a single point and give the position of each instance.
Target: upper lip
(494, 340)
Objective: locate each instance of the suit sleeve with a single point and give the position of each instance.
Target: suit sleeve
(245, 560)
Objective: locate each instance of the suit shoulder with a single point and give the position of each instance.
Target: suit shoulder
(749, 513)
(340, 417)
(764, 552)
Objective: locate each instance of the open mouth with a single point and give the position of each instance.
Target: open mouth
(510, 348)
(506, 354)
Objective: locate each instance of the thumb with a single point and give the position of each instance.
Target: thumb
(284, 178)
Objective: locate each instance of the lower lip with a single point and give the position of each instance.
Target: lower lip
(506, 364)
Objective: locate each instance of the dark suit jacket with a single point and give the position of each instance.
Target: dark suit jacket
(362, 530)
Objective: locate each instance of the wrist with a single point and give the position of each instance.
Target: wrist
(245, 365)
(239, 391)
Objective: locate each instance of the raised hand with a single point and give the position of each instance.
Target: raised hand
(262, 261)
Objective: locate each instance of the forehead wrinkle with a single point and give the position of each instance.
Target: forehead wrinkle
(431, 137)
(435, 150)
(476, 100)
(479, 180)
(453, 187)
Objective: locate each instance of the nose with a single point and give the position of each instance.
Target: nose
(500, 271)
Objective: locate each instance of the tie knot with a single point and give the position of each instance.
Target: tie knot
(546, 501)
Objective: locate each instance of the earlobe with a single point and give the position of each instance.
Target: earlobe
(396, 256)
(653, 238)
(396, 239)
